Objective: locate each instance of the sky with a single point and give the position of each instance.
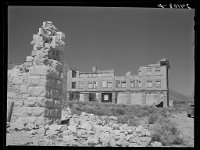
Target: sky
(118, 38)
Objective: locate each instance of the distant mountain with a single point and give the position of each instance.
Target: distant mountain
(178, 97)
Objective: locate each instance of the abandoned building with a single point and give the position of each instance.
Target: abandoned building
(149, 87)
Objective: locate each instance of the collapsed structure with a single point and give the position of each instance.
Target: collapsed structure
(36, 86)
(149, 87)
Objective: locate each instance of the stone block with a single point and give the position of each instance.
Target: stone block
(17, 80)
(24, 88)
(24, 96)
(30, 102)
(41, 70)
(34, 52)
(29, 110)
(37, 91)
(32, 70)
(43, 80)
(40, 61)
(19, 111)
(41, 102)
(18, 103)
(45, 102)
(34, 81)
(13, 95)
(31, 91)
(29, 58)
(42, 121)
(39, 111)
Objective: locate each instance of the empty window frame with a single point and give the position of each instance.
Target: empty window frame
(104, 84)
(132, 83)
(73, 74)
(90, 84)
(123, 84)
(139, 83)
(73, 85)
(158, 83)
(95, 84)
(109, 84)
(149, 71)
(157, 70)
(149, 83)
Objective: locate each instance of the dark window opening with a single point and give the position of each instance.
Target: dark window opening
(73, 74)
(92, 96)
(73, 85)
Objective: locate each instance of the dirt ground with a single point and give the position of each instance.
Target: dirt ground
(186, 126)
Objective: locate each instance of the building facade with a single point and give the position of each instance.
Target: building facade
(149, 87)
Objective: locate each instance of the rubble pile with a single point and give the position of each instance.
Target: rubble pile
(35, 87)
(87, 130)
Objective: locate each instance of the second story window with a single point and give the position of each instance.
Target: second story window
(73, 74)
(90, 85)
(104, 84)
(149, 71)
(157, 70)
(149, 84)
(73, 85)
(109, 84)
(138, 83)
(123, 84)
(95, 84)
(158, 83)
(133, 83)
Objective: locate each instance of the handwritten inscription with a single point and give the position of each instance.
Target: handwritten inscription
(176, 6)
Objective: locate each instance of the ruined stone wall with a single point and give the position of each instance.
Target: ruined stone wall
(39, 79)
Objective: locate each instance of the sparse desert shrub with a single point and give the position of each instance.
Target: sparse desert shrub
(102, 111)
(75, 111)
(134, 122)
(122, 119)
(118, 111)
(153, 118)
(166, 132)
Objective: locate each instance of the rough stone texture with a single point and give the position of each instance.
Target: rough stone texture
(36, 85)
(83, 130)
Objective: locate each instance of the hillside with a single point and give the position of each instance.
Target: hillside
(178, 97)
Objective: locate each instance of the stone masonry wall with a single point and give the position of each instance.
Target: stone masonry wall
(39, 79)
